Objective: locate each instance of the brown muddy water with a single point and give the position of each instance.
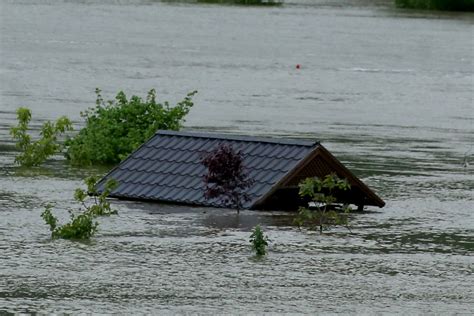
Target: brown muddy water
(388, 91)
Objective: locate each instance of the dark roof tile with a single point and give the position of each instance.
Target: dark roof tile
(246, 150)
(177, 181)
(170, 155)
(141, 152)
(146, 190)
(166, 142)
(162, 167)
(287, 152)
(154, 192)
(285, 165)
(127, 163)
(148, 178)
(179, 194)
(164, 191)
(172, 194)
(188, 195)
(267, 150)
(196, 145)
(269, 177)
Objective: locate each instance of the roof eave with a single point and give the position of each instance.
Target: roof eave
(301, 164)
(352, 178)
(321, 150)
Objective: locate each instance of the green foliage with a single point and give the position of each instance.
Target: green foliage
(244, 2)
(116, 128)
(259, 241)
(34, 153)
(326, 214)
(49, 218)
(452, 5)
(82, 225)
(101, 206)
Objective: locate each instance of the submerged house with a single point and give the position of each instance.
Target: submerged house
(168, 168)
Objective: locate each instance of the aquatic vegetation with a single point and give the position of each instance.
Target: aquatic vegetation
(117, 127)
(450, 5)
(82, 225)
(321, 192)
(34, 153)
(226, 177)
(259, 241)
(244, 2)
(100, 205)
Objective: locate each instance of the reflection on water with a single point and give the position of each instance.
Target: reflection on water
(380, 88)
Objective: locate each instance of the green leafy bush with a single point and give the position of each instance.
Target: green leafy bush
(82, 225)
(326, 213)
(34, 153)
(453, 5)
(259, 241)
(117, 127)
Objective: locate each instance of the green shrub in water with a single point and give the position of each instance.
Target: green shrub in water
(116, 128)
(325, 214)
(451, 5)
(34, 153)
(244, 2)
(82, 225)
(100, 205)
(259, 241)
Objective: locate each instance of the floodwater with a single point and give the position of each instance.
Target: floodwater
(389, 92)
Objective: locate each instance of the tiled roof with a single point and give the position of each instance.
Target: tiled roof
(168, 167)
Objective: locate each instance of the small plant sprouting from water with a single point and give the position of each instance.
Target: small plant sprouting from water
(34, 153)
(259, 241)
(100, 205)
(321, 192)
(226, 177)
(244, 2)
(82, 225)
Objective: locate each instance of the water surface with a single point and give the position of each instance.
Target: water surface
(388, 91)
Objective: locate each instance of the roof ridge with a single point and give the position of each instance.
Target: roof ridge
(273, 140)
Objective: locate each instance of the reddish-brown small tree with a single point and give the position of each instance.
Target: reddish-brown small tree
(226, 176)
